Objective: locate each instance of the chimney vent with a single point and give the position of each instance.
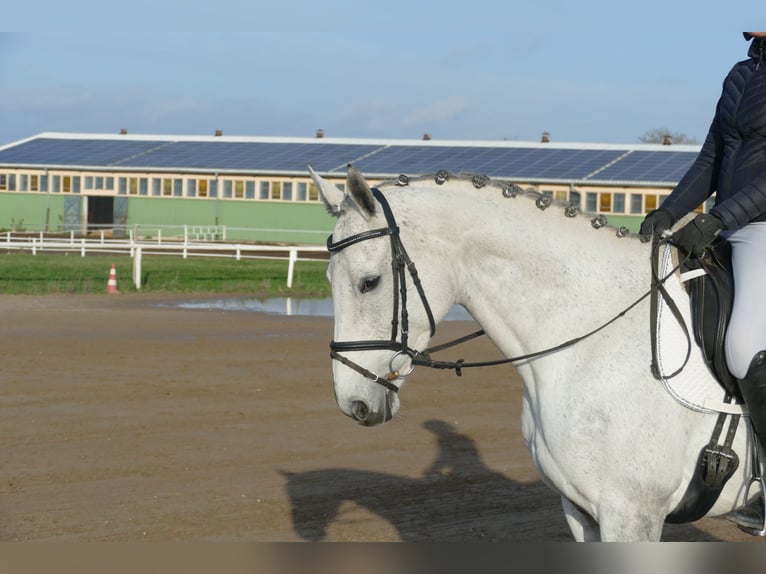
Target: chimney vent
(218, 133)
(546, 137)
(123, 131)
(320, 133)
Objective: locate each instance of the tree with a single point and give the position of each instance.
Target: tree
(660, 135)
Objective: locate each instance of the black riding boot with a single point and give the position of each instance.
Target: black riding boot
(753, 389)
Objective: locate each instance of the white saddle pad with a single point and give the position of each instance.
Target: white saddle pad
(695, 387)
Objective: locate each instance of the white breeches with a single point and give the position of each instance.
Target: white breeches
(746, 334)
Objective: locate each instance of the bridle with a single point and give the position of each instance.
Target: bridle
(400, 265)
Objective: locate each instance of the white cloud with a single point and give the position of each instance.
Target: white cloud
(440, 111)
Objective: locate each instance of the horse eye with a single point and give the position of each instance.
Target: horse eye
(369, 284)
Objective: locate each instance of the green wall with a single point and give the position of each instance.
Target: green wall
(274, 216)
(28, 212)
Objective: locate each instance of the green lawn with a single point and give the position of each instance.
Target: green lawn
(43, 274)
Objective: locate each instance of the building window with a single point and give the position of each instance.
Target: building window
(591, 200)
(619, 203)
(23, 182)
(301, 190)
(250, 190)
(276, 190)
(202, 190)
(178, 187)
(191, 188)
(287, 191)
(167, 187)
(605, 202)
(239, 189)
(264, 190)
(143, 186)
(650, 203)
(636, 203)
(313, 192)
(55, 183)
(574, 198)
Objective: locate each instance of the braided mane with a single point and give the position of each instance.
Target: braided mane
(512, 190)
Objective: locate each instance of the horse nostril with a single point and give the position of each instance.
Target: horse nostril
(359, 410)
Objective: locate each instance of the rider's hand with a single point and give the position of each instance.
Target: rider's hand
(655, 223)
(693, 237)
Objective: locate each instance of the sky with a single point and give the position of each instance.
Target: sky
(588, 71)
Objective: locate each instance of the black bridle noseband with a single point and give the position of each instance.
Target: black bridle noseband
(400, 265)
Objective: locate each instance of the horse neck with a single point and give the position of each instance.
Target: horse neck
(529, 276)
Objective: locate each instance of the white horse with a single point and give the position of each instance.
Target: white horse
(602, 431)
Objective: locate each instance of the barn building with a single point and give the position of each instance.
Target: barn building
(259, 188)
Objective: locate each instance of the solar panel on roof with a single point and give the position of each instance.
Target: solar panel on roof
(55, 151)
(649, 166)
(510, 162)
(518, 162)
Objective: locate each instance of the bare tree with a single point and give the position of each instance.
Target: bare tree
(665, 136)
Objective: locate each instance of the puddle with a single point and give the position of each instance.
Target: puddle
(286, 306)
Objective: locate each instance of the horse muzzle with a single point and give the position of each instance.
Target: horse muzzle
(367, 415)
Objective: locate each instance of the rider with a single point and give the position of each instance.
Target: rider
(732, 163)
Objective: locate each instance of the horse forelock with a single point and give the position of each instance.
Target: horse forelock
(509, 190)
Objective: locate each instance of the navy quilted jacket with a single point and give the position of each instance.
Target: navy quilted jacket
(732, 161)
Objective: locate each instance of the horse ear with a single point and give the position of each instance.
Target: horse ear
(330, 194)
(360, 190)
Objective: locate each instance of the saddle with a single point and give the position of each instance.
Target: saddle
(710, 284)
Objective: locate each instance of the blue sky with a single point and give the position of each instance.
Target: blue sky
(587, 71)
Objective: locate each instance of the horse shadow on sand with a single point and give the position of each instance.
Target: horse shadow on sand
(458, 498)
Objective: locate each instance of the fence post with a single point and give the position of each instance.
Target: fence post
(137, 268)
(291, 267)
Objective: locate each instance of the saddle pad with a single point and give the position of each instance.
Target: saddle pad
(694, 387)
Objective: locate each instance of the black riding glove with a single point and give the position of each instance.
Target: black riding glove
(693, 237)
(655, 223)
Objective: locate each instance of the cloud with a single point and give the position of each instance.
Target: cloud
(438, 112)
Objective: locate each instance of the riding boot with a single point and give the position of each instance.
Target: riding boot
(753, 389)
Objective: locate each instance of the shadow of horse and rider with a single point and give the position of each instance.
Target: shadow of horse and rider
(458, 498)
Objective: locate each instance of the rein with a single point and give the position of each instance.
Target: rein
(401, 264)
(655, 291)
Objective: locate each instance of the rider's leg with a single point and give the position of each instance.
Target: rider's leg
(753, 388)
(746, 341)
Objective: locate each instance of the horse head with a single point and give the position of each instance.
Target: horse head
(382, 316)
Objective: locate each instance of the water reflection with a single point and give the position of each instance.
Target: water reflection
(287, 306)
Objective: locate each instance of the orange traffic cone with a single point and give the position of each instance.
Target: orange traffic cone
(111, 285)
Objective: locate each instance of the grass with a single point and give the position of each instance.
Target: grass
(48, 274)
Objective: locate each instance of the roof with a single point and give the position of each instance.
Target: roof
(611, 164)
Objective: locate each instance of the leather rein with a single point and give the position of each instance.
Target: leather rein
(402, 264)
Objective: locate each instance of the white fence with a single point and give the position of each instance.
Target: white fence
(101, 243)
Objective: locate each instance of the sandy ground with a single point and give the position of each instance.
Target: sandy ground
(126, 421)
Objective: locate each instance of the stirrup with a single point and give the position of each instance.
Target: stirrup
(756, 478)
(759, 480)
